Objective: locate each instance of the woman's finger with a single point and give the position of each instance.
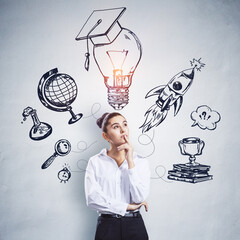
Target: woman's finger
(145, 205)
(126, 139)
(123, 146)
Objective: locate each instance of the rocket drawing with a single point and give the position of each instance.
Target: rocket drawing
(170, 94)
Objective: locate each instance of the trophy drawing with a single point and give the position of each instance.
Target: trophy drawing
(192, 147)
(192, 171)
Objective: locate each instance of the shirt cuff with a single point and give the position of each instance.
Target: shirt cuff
(120, 208)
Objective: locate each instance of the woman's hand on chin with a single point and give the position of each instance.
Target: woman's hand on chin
(127, 147)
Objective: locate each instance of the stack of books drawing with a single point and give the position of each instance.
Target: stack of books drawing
(192, 173)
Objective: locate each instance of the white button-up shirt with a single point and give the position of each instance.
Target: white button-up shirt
(109, 188)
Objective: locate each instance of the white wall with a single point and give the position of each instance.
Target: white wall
(36, 36)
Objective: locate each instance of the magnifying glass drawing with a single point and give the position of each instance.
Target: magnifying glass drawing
(62, 148)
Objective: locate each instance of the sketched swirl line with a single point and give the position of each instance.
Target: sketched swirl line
(150, 141)
(161, 176)
(83, 148)
(80, 167)
(94, 112)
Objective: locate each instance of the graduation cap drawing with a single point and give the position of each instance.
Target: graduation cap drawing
(116, 50)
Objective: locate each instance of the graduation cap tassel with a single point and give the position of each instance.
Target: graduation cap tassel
(87, 60)
(87, 54)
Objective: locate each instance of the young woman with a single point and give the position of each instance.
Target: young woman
(117, 183)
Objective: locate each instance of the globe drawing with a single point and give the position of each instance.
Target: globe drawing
(57, 91)
(60, 90)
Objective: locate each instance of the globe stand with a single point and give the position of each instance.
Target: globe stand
(75, 117)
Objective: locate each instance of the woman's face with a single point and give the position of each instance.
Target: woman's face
(117, 128)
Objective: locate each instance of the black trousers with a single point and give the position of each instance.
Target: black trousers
(126, 228)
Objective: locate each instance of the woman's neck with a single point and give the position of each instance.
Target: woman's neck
(118, 156)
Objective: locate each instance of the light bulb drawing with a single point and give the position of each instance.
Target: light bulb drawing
(57, 91)
(39, 130)
(117, 52)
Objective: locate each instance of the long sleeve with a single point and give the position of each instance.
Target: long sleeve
(96, 198)
(139, 180)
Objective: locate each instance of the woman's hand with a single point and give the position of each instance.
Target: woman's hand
(127, 147)
(134, 206)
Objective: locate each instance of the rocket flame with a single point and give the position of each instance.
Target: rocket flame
(197, 64)
(154, 116)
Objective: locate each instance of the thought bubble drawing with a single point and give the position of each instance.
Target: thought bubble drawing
(205, 118)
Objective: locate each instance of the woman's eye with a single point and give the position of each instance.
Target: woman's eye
(115, 127)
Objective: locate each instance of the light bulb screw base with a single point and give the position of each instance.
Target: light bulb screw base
(118, 97)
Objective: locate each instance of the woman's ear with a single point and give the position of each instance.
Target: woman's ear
(105, 136)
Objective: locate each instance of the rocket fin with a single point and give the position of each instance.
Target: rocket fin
(155, 91)
(177, 105)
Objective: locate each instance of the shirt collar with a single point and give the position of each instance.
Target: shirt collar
(104, 153)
